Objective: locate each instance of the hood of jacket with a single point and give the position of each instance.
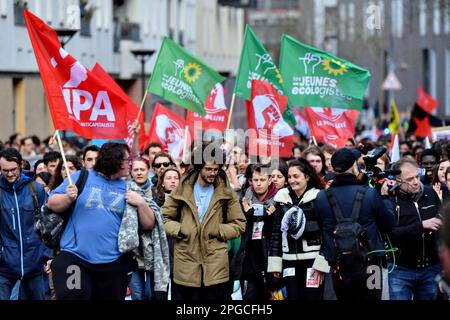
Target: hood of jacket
(185, 190)
(348, 179)
(22, 181)
(284, 196)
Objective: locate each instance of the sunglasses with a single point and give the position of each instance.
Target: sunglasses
(162, 164)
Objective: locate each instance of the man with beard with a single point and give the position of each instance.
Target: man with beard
(22, 255)
(202, 214)
(259, 207)
(414, 234)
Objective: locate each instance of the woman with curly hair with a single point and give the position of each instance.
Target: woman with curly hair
(89, 242)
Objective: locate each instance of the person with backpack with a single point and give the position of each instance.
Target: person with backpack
(296, 241)
(194, 216)
(90, 265)
(352, 216)
(22, 255)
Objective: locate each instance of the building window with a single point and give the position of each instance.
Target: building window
(3, 8)
(19, 6)
(447, 17)
(351, 21)
(436, 17)
(397, 18)
(116, 37)
(426, 70)
(130, 31)
(423, 17)
(342, 21)
(429, 71)
(433, 73)
(382, 13)
(86, 13)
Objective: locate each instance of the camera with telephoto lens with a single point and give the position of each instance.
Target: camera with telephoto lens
(375, 174)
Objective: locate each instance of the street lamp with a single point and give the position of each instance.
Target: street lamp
(142, 55)
(65, 35)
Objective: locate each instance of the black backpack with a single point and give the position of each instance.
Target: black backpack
(49, 225)
(350, 241)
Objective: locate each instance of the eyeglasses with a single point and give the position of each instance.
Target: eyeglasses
(212, 170)
(6, 171)
(161, 164)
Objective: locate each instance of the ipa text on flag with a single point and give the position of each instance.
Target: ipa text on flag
(132, 108)
(77, 98)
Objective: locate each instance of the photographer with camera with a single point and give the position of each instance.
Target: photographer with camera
(377, 163)
(351, 208)
(416, 264)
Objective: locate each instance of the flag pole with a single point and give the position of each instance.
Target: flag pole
(230, 114)
(186, 132)
(142, 105)
(314, 140)
(63, 156)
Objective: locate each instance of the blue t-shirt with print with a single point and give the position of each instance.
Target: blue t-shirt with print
(92, 230)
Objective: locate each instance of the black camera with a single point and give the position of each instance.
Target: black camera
(375, 174)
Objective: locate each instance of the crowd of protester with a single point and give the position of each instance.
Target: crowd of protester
(156, 228)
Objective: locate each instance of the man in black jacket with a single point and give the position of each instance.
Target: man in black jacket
(375, 216)
(414, 234)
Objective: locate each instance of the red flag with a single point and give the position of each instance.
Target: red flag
(78, 100)
(331, 125)
(132, 108)
(169, 128)
(271, 135)
(216, 111)
(425, 101)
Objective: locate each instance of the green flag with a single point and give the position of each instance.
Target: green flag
(315, 78)
(181, 78)
(257, 64)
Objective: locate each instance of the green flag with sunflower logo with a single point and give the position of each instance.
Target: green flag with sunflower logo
(257, 64)
(315, 78)
(181, 78)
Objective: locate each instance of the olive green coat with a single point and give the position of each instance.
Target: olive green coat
(202, 247)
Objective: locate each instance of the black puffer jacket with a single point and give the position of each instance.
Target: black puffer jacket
(416, 247)
(308, 245)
